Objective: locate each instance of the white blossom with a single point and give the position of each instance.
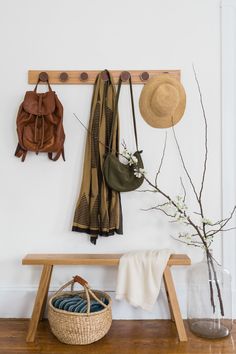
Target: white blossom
(207, 221)
(139, 172)
(131, 158)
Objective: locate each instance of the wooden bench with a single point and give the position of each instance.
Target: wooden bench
(50, 260)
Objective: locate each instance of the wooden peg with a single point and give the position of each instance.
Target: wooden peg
(83, 76)
(104, 76)
(125, 76)
(43, 76)
(144, 76)
(64, 77)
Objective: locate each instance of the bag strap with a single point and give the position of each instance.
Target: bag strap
(49, 87)
(133, 112)
(116, 112)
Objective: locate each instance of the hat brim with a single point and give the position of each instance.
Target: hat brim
(151, 117)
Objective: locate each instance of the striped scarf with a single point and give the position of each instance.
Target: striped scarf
(98, 210)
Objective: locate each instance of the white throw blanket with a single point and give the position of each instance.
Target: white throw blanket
(139, 276)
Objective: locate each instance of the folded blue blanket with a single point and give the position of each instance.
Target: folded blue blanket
(75, 303)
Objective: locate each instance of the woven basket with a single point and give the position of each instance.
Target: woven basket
(80, 328)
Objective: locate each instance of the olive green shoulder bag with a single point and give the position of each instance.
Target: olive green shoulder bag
(121, 177)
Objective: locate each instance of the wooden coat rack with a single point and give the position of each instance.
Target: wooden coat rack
(87, 77)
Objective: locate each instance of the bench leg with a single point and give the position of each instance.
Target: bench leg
(46, 297)
(39, 302)
(168, 299)
(174, 305)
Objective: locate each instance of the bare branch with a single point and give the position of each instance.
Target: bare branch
(163, 204)
(219, 222)
(206, 127)
(159, 209)
(181, 181)
(158, 190)
(195, 212)
(200, 228)
(216, 260)
(217, 284)
(173, 221)
(225, 223)
(185, 242)
(124, 144)
(214, 232)
(183, 222)
(197, 242)
(162, 159)
(95, 138)
(157, 206)
(183, 163)
(146, 190)
(210, 284)
(231, 228)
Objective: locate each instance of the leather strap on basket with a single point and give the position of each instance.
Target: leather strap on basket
(80, 280)
(116, 111)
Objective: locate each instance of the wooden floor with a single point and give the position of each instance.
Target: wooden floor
(124, 337)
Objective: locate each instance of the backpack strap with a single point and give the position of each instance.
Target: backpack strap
(21, 153)
(59, 153)
(49, 87)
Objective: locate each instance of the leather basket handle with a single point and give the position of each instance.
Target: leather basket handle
(80, 280)
(76, 279)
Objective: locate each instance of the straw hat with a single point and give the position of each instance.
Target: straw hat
(162, 101)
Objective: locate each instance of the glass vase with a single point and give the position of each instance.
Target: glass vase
(209, 299)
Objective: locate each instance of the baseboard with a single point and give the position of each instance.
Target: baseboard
(18, 303)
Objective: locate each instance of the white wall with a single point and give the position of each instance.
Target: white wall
(229, 133)
(37, 198)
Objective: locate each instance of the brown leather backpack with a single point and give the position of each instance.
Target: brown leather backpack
(40, 124)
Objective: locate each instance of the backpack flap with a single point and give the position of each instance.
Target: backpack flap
(39, 103)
